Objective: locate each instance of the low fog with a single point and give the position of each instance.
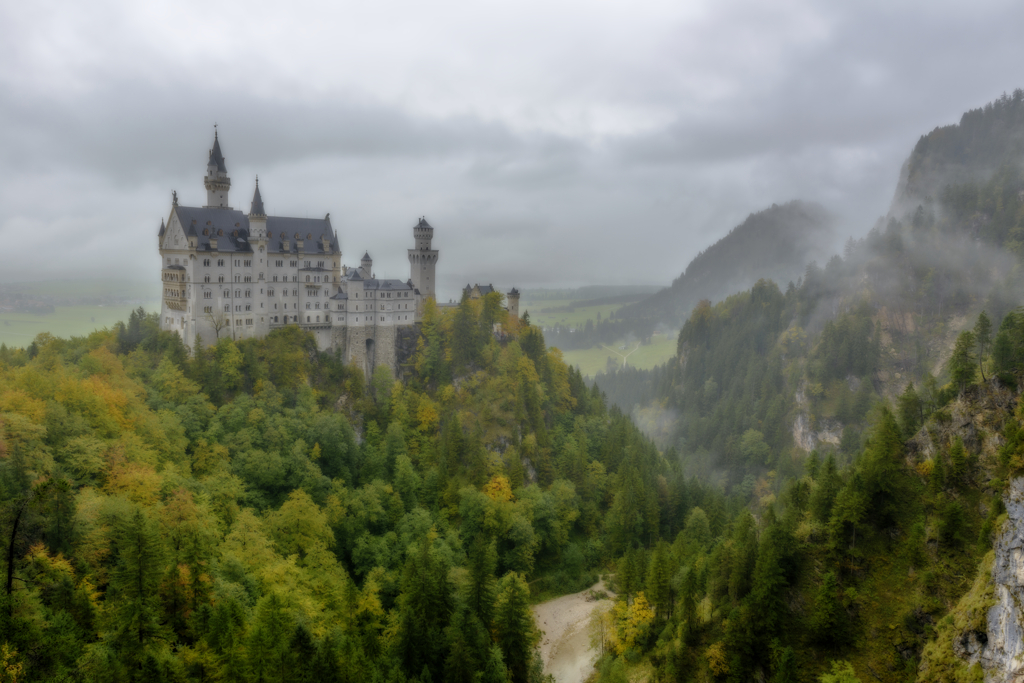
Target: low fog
(550, 144)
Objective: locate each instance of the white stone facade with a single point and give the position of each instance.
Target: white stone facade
(227, 273)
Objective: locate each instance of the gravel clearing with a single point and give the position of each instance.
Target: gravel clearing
(565, 623)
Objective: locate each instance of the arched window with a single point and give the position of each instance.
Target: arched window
(307, 318)
(307, 278)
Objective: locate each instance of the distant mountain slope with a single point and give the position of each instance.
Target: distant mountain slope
(776, 243)
(985, 140)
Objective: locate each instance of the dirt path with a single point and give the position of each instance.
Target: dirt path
(565, 644)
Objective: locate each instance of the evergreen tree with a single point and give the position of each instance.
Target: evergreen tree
(910, 411)
(958, 462)
(962, 364)
(828, 619)
(983, 337)
(515, 632)
(136, 618)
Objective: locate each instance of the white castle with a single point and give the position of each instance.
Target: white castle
(226, 273)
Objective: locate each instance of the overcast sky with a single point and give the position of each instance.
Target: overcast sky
(550, 143)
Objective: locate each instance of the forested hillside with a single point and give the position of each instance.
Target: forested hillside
(262, 512)
(868, 416)
(776, 244)
(985, 140)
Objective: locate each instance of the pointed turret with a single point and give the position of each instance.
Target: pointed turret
(257, 216)
(216, 158)
(366, 266)
(257, 201)
(216, 179)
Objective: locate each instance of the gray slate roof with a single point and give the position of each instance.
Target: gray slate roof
(228, 229)
(257, 202)
(215, 155)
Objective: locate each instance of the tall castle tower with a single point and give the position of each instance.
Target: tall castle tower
(513, 303)
(216, 179)
(423, 259)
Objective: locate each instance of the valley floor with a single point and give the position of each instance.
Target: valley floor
(565, 622)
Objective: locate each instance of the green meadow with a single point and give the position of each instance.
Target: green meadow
(80, 307)
(19, 329)
(594, 360)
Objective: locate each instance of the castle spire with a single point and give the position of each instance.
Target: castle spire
(216, 180)
(257, 201)
(216, 158)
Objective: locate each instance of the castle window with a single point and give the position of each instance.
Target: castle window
(248, 278)
(295, 292)
(238, 278)
(238, 308)
(292, 263)
(238, 262)
(168, 260)
(208, 309)
(227, 308)
(207, 295)
(307, 318)
(206, 262)
(238, 293)
(248, 321)
(248, 293)
(306, 264)
(248, 307)
(295, 278)
(220, 278)
(307, 278)
(308, 306)
(206, 278)
(248, 264)
(318, 305)
(318, 318)
(275, 278)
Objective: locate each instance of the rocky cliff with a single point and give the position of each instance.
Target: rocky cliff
(983, 637)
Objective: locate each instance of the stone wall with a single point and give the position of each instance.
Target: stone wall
(406, 337)
(384, 354)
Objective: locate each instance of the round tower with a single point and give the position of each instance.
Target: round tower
(513, 303)
(423, 259)
(216, 179)
(366, 266)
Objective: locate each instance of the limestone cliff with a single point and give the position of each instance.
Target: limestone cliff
(983, 637)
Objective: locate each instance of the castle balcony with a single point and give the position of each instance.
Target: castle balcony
(173, 273)
(176, 299)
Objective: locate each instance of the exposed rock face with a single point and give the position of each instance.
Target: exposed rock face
(831, 432)
(1002, 655)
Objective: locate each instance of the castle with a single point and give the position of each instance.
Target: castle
(227, 273)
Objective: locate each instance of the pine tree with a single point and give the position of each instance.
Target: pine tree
(962, 364)
(983, 337)
(910, 414)
(957, 462)
(515, 632)
(828, 620)
(136, 619)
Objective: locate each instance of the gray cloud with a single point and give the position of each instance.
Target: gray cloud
(549, 143)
